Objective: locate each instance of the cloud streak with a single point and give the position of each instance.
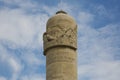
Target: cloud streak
(97, 50)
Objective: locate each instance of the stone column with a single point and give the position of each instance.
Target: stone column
(60, 45)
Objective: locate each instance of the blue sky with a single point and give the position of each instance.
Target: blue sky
(22, 23)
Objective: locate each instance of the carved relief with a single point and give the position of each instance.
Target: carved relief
(60, 35)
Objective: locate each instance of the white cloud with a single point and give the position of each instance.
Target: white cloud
(24, 4)
(2, 78)
(107, 70)
(20, 28)
(98, 44)
(32, 59)
(14, 64)
(52, 10)
(85, 17)
(104, 12)
(33, 77)
(97, 48)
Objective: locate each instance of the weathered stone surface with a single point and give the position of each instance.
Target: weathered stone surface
(61, 64)
(60, 44)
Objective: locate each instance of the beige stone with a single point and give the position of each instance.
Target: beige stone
(60, 45)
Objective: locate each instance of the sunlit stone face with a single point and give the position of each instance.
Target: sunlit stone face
(60, 44)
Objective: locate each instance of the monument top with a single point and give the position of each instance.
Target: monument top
(61, 11)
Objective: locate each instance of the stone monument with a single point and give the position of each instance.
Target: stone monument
(60, 45)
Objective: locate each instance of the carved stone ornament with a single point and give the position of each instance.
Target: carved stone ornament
(60, 36)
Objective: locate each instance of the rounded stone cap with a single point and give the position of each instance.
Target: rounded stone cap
(61, 17)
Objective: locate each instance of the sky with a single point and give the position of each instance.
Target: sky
(23, 22)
